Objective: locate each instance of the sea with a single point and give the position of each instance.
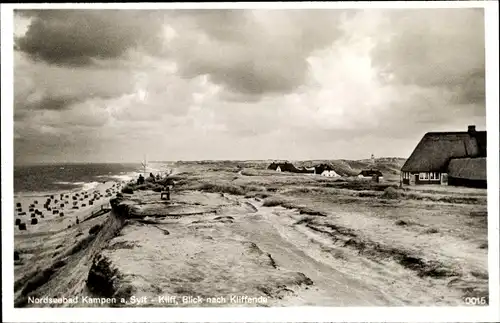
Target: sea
(54, 178)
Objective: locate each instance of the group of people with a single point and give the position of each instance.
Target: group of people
(169, 183)
(152, 178)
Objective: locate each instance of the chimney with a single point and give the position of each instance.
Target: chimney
(471, 129)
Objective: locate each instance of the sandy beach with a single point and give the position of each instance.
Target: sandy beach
(56, 211)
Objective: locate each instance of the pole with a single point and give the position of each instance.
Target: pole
(144, 164)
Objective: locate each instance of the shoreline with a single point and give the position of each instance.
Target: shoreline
(61, 210)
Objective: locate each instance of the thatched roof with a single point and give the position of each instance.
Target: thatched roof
(435, 150)
(285, 167)
(322, 167)
(468, 168)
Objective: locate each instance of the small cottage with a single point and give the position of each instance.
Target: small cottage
(453, 158)
(370, 173)
(323, 169)
(283, 167)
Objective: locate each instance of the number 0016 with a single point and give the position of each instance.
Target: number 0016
(475, 300)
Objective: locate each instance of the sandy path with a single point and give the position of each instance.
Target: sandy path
(209, 254)
(332, 287)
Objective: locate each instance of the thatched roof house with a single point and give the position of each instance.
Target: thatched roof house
(430, 161)
(283, 167)
(319, 169)
(370, 173)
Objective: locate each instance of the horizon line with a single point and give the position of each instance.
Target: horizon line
(193, 160)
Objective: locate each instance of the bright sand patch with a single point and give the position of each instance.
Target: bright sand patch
(87, 201)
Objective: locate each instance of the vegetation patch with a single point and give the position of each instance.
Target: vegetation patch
(95, 229)
(102, 278)
(391, 193)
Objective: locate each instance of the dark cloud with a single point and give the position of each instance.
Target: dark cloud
(74, 37)
(253, 53)
(23, 108)
(42, 87)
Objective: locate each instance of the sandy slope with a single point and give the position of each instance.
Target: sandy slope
(56, 238)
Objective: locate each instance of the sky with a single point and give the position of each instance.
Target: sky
(115, 85)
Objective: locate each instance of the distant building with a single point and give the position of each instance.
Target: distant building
(325, 170)
(453, 158)
(330, 173)
(370, 173)
(283, 167)
(322, 169)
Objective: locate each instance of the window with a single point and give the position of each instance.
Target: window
(434, 176)
(423, 176)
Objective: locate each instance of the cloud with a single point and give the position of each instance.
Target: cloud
(253, 53)
(248, 84)
(435, 48)
(74, 37)
(39, 86)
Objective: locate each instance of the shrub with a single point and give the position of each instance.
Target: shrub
(127, 190)
(249, 172)
(254, 188)
(391, 193)
(401, 222)
(222, 188)
(273, 202)
(95, 229)
(301, 190)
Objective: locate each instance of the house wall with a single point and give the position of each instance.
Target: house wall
(419, 178)
(467, 182)
(328, 173)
